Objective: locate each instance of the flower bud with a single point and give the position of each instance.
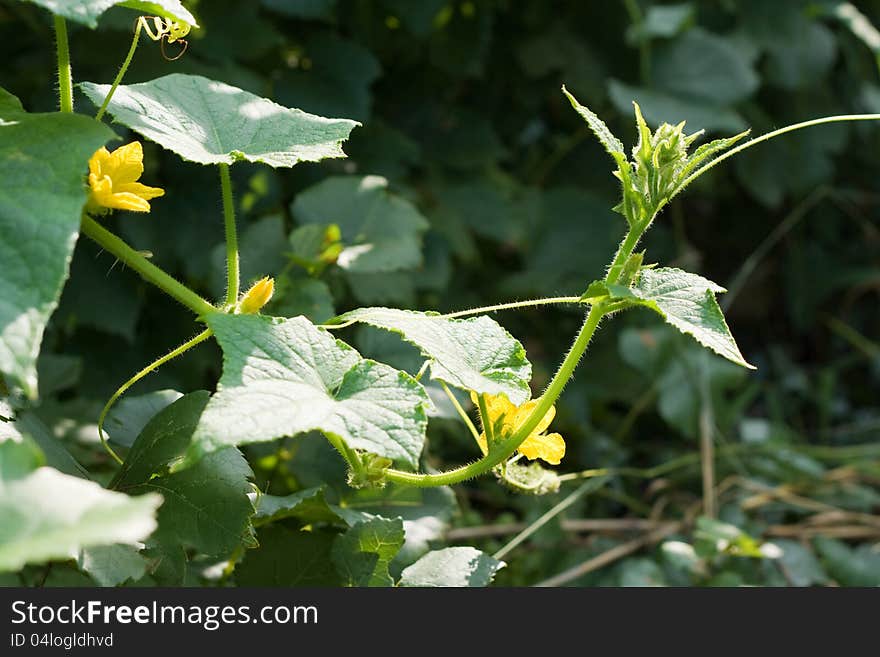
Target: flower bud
(257, 296)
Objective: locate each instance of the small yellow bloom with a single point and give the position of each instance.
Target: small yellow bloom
(505, 418)
(257, 297)
(113, 180)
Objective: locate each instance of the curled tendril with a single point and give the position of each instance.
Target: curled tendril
(166, 31)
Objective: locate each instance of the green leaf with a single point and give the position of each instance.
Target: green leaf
(703, 66)
(43, 159)
(302, 296)
(662, 21)
(664, 107)
(211, 122)
(381, 232)
(10, 107)
(472, 354)
(87, 12)
(49, 515)
(167, 8)
(112, 565)
(805, 59)
(687, 301)
(289, 559)
(282, 377)
(611, 143)
(452, 566)
(94, 278)
(426, 514)
(338, 81)
(849, 566)
(130, 414)
(707, 151)
(802, 568)
(19, 455)
(306, 9)
(363, 553)
(307, 505)
(56, 455)
(206, 506)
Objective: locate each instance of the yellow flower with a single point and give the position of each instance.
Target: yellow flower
(505, 419)
(112, 179)
(257, 296)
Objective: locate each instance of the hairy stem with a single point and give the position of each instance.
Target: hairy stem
(531, 303)
(232, 275)
(514, 304)
(65, 77)
(125, 64)
(152, 367)
(150, 272)
(461, 412)
(770, 135)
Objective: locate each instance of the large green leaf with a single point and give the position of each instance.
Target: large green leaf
(289, 559)
(425, 512)
(112, 565)
(452, 566)
(659, 106)
(87, 12)
(47, 515)
(43, 159)
(363, 553)
(703, 66)
(338, 81)
(687, 301)
(307, 505)
(282, 377)
(206, 506)
(380, 231)
(472, 354)
(212, 122)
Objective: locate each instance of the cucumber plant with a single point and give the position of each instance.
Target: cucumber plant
(181, 492)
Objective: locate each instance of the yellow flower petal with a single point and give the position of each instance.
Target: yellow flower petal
(137, 188)
(524, 411)
(126, 201)
(126, 163)
(98, 161)
(548, 447)
(113, 180)
(257, 296)
(506, 418)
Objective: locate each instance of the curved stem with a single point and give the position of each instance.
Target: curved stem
(145, 268)
(65, 77)
(770, 135)
(486, 419)
(514, 304)
(461, 412)
(123, 69)
(502, 450)
(478, 311)
(351, 456)
(624, 251)
(186, 346)
(232, 276)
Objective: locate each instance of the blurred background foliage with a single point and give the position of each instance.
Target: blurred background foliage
(473, 182)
